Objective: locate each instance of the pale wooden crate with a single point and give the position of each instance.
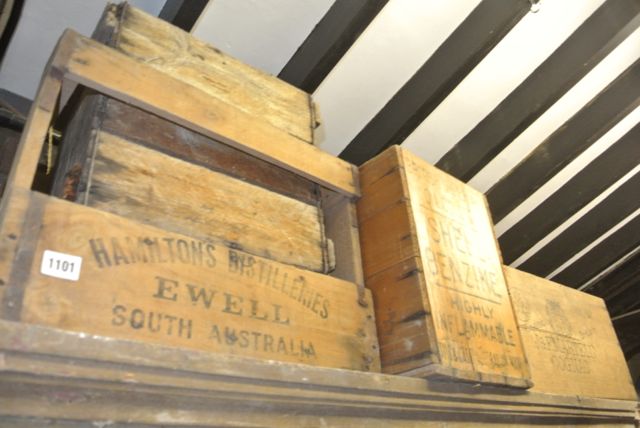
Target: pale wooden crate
(138, 281)
(431, 260)
(123, 160)
(171, 50)
(569, 339)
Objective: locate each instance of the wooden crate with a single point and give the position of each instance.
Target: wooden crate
(81, 268)
(173, 51)
(120, 159)
(569, 339)
(432, 263)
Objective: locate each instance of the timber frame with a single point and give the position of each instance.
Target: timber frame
(73, 379)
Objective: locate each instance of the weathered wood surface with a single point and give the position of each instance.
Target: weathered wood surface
(128, 122)
(431, 260)
(156, 189)
(89, 63)
(105, 163)
(140, 282)
(70, 379)
(569, 339)
(173, 51)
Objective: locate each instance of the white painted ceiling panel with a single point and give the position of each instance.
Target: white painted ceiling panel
(262, 33)
(604, 236)
(533, 39)
(552, 119)
(569, 221)
(558, 180)
(41, 25)
(398, 41)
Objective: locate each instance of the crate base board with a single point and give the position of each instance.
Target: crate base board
(436, 372)
(139, 282)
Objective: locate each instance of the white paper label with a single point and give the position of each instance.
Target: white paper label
(61, 265)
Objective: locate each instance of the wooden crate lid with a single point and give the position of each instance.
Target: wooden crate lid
(569, 339)
(177, 53)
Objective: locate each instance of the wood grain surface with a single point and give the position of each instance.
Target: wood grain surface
(173, 51)
(432, 262)
(569, 339)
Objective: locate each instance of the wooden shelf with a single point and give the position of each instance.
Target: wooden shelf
(74, 379)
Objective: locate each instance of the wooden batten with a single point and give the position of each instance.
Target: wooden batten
(431, 261)
(134, 279)
(569, 339)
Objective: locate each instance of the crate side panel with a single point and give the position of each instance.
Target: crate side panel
(143, 184)
(139, 282)
(569, 339)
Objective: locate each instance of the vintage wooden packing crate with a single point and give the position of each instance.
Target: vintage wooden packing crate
(173, 51)
(121, 159)
(431, 260)
(129, 162)
(569, 339)
(81, 268)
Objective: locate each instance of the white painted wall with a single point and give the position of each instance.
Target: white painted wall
(41, 24)
(392, 48)
(262, 33)
(522, 50)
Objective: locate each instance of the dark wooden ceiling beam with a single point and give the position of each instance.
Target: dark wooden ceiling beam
(474, 38)
(608, 213)
(593, 40)
(600, 257)
(183, 13)
(577, 134)
(329, 41)
(582, 188)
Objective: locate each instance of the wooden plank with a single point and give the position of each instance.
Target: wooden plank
(133, 124)
(329, 40)
(171, 50)
(582, 188)
(54, 374)
(145, 185)
(435, 244)
(576, 135)
(139, 282)
(485, 26)
(153, 91)
(592, 41)
(569, 340)
(597, 259)
(601, 218)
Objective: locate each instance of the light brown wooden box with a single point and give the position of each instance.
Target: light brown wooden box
(431, 261)
(138, 281)
(123, 160)
(569, 339)
(171, 50)
(126, 161)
